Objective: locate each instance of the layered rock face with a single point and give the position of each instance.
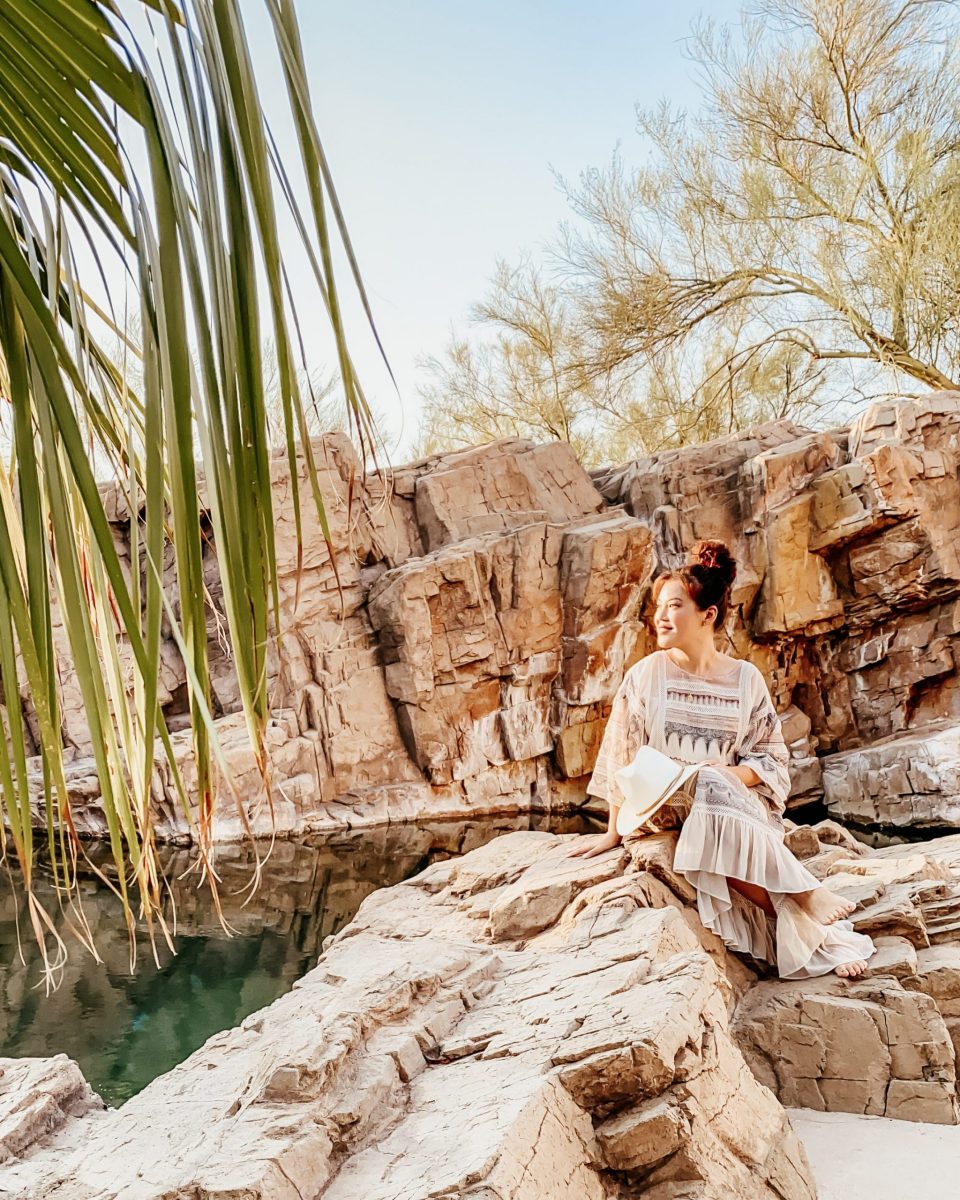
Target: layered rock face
(516, 1024)
(459, 660)
(848, 593)
(463, 656)
(510, 1024)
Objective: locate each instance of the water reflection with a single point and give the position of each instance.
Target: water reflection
(125, 1029)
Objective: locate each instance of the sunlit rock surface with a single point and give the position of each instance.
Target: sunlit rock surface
(38, 1097)
(463, 656)
(510, 1024)
(515, 1023)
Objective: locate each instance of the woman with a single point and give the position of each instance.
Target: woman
(698, 705)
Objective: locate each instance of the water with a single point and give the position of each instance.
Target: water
(125, 1029)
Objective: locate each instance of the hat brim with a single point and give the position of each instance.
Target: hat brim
(632, 815)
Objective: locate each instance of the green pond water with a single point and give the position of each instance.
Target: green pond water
(125, 1029)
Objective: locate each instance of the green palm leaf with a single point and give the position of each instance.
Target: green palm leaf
(78, 101)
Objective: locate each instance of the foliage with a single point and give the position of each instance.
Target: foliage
(791, 245)
(195, 228)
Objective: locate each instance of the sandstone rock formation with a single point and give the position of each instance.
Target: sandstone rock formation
(510, 1024)
(517, 1024)
(491, 600)
(38, 1096)
(462, 660)
(459, 661)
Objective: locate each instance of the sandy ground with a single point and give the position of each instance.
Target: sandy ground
(872, 1158)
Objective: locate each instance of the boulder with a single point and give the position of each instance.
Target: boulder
(867, 1046)
(436, 1051)
(908, 781)
(38, 1097)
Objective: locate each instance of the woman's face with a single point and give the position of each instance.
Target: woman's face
(677, 620)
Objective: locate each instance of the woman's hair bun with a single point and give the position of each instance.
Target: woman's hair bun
(715, 556)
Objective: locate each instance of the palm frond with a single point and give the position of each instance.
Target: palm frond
(197, 241)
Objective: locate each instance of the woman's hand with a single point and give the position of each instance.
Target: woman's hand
(595, 843)
(746, 775)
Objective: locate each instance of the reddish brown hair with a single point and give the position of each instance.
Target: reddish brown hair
(708, 576)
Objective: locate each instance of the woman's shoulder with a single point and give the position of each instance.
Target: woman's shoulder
(641, 672)
(756, 680)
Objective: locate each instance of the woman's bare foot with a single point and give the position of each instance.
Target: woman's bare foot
(824, 906)
(851, 970)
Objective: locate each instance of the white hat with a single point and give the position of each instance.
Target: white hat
(647, 783)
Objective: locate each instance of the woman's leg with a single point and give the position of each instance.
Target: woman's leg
(727, 835)
(820, 903)
(761, 898)
(823, 905)
(753, 892)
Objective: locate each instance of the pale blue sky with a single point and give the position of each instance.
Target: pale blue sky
(442, 120)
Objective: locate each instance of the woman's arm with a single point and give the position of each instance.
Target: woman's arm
(623, 734)
(762, 751)
(597, 843)
(747, 774)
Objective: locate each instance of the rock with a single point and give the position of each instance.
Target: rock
(830, 833)
(419, 1058)
(868, 1046)
(913, 780)
(803, 841)
(654, 853)
(475, 491)
(895, 956)
(882, 519)
(544, 890)
(644, 1135)
(38, 1097)
(938, 975)
(859, 889)
(799, 591)
(806, 780)
(911, 866)
(893, 915)
(477, 637)
(940, 905)
(795, 726)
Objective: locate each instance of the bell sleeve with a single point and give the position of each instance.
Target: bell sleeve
(763, 748)
(623, 735)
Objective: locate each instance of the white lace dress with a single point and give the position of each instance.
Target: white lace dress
(731, 830)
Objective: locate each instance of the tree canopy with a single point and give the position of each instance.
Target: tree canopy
(790, 245)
